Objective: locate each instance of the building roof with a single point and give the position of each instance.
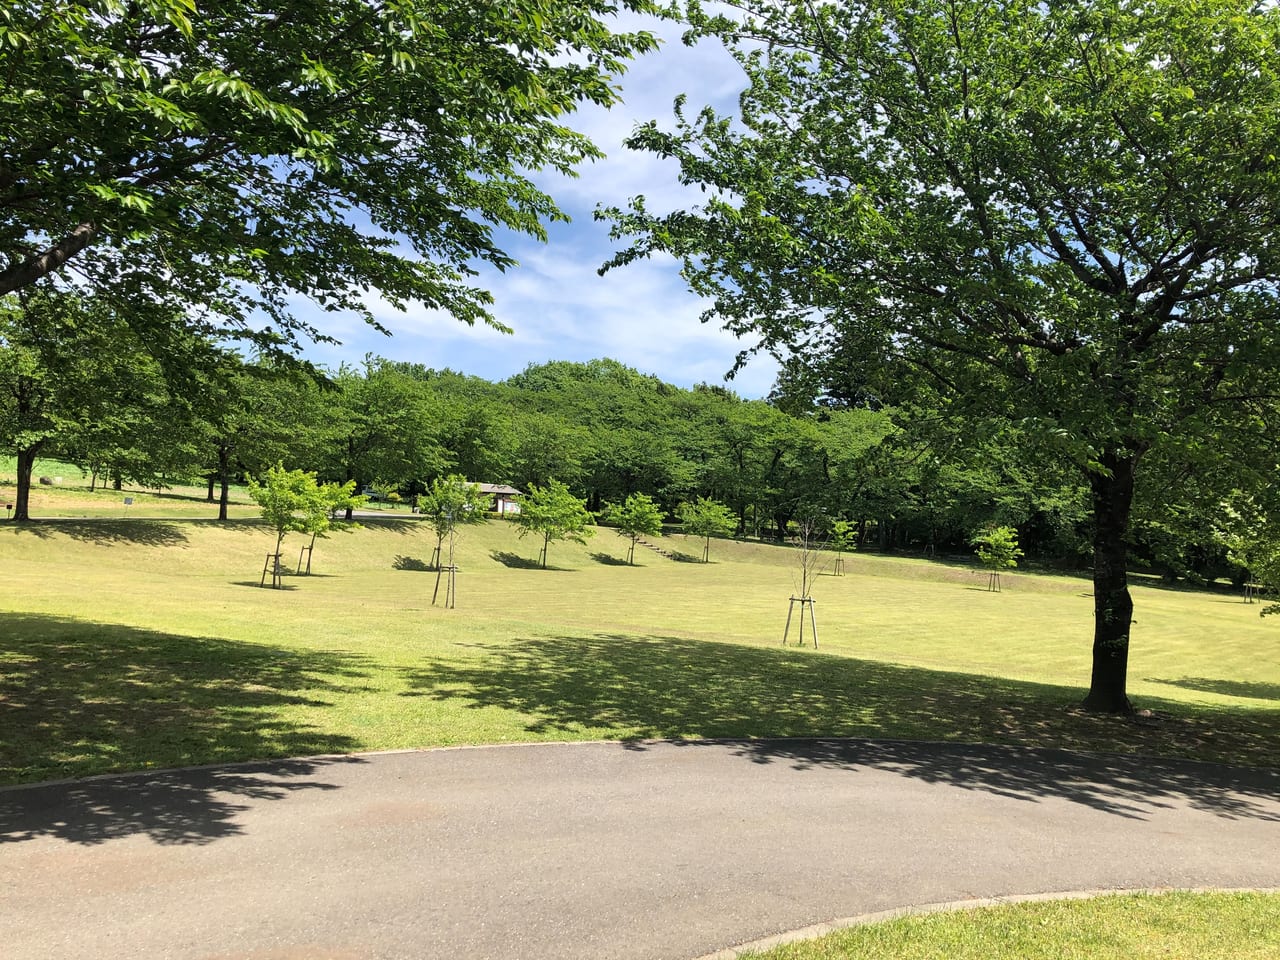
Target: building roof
(498, 488)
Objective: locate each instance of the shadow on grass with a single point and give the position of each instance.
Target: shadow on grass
(411, 563)
(78, 698)
(1228, 688)
(517, 562)
(147, 533)
(608, 560)
(679, 557)
(640, 687)
(284, 587)
(390, 524)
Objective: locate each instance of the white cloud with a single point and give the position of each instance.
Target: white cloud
(557, 304)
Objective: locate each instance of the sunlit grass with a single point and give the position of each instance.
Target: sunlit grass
(69, 495)
(148, 642)
(1207, 926)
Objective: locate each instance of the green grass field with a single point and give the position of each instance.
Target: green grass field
(138, 637)
(140, 641)
(1170, 926)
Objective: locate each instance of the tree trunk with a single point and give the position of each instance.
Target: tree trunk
(117, 482)
(26, 464)
(1112, 605)
(224, 479)
(213, 477)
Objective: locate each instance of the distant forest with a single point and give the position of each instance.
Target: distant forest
(922, 482)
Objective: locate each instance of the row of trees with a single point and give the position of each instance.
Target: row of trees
(1045, 234)
(80, 386)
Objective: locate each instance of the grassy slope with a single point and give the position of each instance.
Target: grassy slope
(127, 644)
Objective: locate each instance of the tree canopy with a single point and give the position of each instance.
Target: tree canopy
(449, 503)
(706, 518)
(292, 501)
(997, 548)
(233, 155)
(553, 513)
(638, 516)
(1064, 216)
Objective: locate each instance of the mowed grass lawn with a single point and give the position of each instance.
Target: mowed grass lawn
(138, 642)
(1207, 926)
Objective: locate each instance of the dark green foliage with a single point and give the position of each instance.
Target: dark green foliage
(552, 512)
(231, 155)
(1060, 217)
(637, 517)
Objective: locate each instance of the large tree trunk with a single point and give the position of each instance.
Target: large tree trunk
(1112, 605)
(26, 464)
(224, 480)
(224, 497)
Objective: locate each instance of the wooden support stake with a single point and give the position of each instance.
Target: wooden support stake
(272, 563)
(450, 586)
(813, 620)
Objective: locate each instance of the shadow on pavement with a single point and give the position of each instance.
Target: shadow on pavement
(1125, 786)
(193, 807)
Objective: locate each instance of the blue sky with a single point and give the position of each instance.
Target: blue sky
(559, 308)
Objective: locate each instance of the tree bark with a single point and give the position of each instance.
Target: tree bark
(1112, 604)
(224, 480)
(26, 464)
(32, 269)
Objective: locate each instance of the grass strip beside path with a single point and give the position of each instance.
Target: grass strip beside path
(1195, 926)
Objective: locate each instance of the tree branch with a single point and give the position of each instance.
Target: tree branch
(33, 268)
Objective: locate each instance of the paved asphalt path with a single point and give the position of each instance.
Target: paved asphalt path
(596, 850)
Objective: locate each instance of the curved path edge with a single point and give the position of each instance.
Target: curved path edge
(818, 930)
(631, 850)
(762, 744)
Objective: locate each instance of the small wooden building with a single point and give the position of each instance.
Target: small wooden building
(504, 501)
